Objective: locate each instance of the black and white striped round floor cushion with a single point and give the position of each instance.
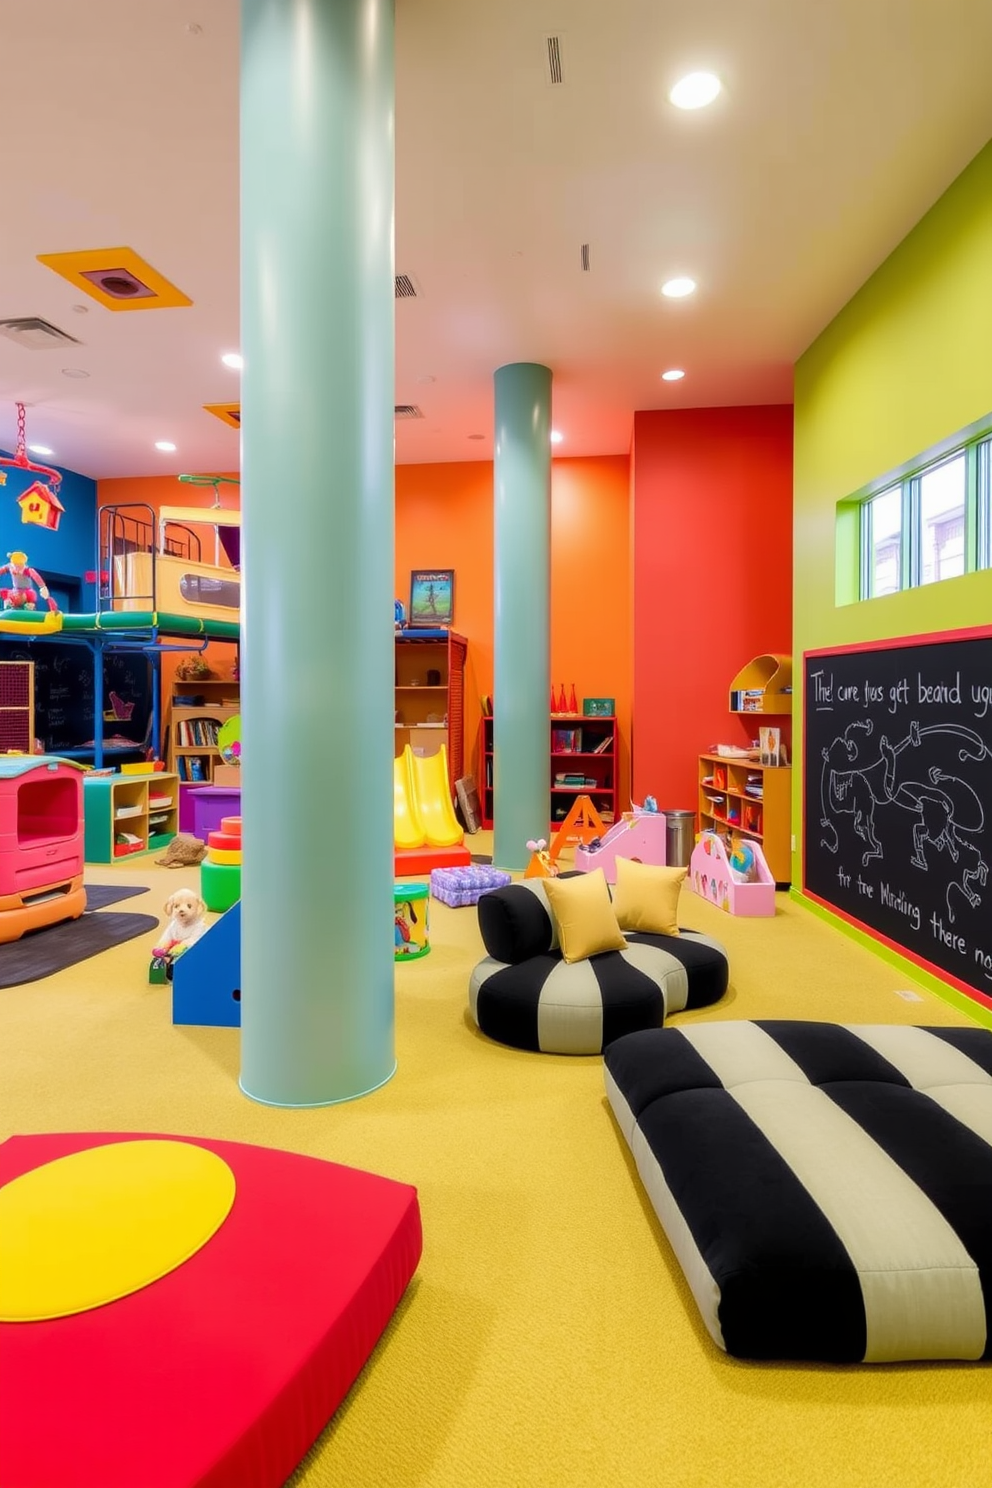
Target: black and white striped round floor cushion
(525, 994)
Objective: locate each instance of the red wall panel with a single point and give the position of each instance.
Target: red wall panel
(711, 565)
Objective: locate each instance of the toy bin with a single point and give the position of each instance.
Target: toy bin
(713, 879)
(411, 929)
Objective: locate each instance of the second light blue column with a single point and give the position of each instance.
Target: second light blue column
(522, 601)
(317, 397)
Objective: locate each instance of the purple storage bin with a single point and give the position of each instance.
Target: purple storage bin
(457, 887)
(210, 803)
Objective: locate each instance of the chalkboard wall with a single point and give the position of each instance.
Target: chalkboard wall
(63, 691)
(898, 792)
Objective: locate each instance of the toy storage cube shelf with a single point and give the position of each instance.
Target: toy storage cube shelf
(192, 729)
(583, 746)
(144, 806)
(729, 808)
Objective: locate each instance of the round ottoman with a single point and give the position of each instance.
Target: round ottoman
(525, 994)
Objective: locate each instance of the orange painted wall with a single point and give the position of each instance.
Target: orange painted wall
(711, 564)
(444, 519)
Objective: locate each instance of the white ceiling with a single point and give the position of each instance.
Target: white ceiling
(841, 122)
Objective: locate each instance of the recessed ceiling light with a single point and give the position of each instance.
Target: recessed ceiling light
(40, 449)
(674, 374)
(695, 90)
(556, 436)
(165, 445)
(234, 360)
(74, 372)
(677, 289)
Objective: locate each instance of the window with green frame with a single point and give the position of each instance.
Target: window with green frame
(933, 523)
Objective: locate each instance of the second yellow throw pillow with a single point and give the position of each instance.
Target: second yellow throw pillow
(647, 898)
(584, 915)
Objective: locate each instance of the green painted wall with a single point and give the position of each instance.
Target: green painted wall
(905, 365)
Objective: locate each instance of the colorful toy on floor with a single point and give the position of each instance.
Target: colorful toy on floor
(581, 826)
(712, 876)
(206, 979)
(220, 871)
(411, 921)
(41, 843)
(639, 834)
(541, 864)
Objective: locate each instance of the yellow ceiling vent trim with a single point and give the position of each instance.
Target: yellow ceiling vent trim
(228, 413)
(117, 277)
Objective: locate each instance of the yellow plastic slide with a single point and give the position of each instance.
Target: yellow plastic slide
(422, 809)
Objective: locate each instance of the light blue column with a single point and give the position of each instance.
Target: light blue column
(317, 294)
(522, 589)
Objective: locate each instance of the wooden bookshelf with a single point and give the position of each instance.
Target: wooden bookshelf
(192, 729)
(429, 697)
(728, 807)
(593, 755)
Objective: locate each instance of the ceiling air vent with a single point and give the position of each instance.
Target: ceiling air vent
(405, 287)
(407, 411)
(552, 62)
(35, 334)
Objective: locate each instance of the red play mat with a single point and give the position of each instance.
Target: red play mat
(222, 1373)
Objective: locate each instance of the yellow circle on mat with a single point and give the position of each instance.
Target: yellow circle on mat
(97, 1225)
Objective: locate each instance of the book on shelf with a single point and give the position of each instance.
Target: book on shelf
(604, 745)
(566, 741)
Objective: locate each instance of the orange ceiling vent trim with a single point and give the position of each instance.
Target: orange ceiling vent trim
(228, 413)
(116, 277)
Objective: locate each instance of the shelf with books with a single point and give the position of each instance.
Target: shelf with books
(763, 686)
(582, 760)
(197, 710)
(744, 798)
(429, 692)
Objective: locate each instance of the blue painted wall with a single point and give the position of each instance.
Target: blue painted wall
(65, 555)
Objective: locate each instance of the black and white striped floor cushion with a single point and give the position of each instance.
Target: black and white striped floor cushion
(526, 995)
(827, 1189)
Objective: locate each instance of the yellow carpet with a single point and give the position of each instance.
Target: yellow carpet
(548, 1340)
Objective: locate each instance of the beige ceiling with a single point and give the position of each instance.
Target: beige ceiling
(841, 122)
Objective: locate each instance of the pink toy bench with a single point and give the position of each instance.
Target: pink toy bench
(639, 835)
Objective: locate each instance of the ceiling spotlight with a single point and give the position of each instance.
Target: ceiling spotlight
(40, 449)
(674, 374)
(234, 360)
(165, 445)
(556, 437)
(677, 289)
(695, 91)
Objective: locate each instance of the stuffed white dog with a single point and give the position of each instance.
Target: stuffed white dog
(186, 924)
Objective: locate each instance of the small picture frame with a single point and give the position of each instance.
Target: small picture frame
(432, 598)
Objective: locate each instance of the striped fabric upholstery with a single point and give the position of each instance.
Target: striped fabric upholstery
(827, 1189)
(549, 1005)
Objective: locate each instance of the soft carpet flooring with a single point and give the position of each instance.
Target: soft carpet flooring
(548, 1339)
(100, 896)
(45, 952)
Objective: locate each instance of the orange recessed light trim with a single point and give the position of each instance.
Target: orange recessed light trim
(117, 277)
(228, 413)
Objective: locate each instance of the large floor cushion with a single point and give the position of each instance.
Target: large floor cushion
(827, 1189)
(524, 994)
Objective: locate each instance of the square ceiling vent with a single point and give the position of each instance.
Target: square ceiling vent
(117, 277)
(35, 334)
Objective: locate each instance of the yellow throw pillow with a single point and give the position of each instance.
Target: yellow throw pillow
(584, 915)
(647, 898)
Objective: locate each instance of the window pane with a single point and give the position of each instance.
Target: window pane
(885, 517)
(984, 504)
(942, 493)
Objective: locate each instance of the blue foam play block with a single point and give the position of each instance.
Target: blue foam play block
(206, 979)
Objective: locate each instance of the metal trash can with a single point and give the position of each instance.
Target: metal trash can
(680, 834)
